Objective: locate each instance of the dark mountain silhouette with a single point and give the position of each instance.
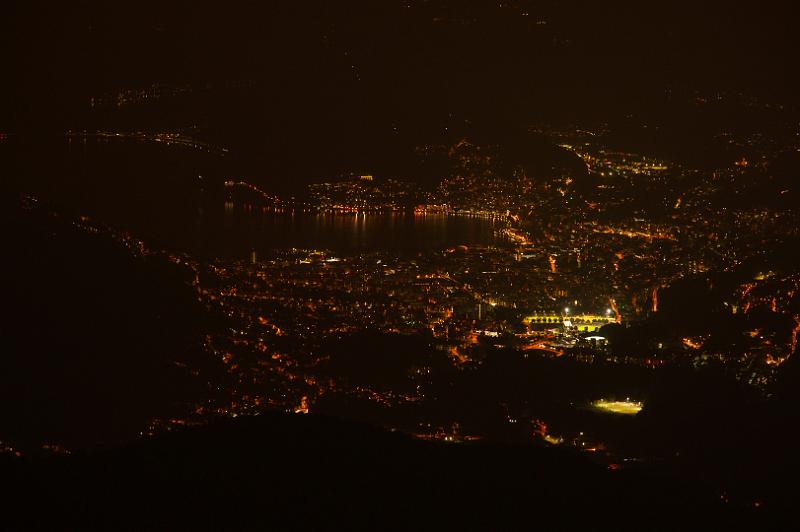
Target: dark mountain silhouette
(285, 472)
(91, 335)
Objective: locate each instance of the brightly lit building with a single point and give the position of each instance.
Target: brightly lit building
(578, 322)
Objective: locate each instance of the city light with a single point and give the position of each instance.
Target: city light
(302, 221)
(626, 407)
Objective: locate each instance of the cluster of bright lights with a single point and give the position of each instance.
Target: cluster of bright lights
(626, 407)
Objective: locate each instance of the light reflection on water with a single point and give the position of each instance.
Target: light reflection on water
(156, 194)
(245, 228)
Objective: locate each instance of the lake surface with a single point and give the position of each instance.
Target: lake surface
(173, 198)
(402, 232)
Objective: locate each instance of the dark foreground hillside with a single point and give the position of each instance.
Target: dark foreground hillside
(91, 335)
(279, 471)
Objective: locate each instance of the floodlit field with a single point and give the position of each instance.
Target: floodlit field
(618, 407)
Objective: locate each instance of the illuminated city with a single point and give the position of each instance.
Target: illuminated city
(408, 265)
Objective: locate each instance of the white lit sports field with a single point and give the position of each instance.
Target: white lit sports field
(628, 407)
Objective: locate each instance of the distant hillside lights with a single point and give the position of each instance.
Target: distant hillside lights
(362, 192)
(609, 163)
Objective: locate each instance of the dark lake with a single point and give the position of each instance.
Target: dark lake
(173, 197)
